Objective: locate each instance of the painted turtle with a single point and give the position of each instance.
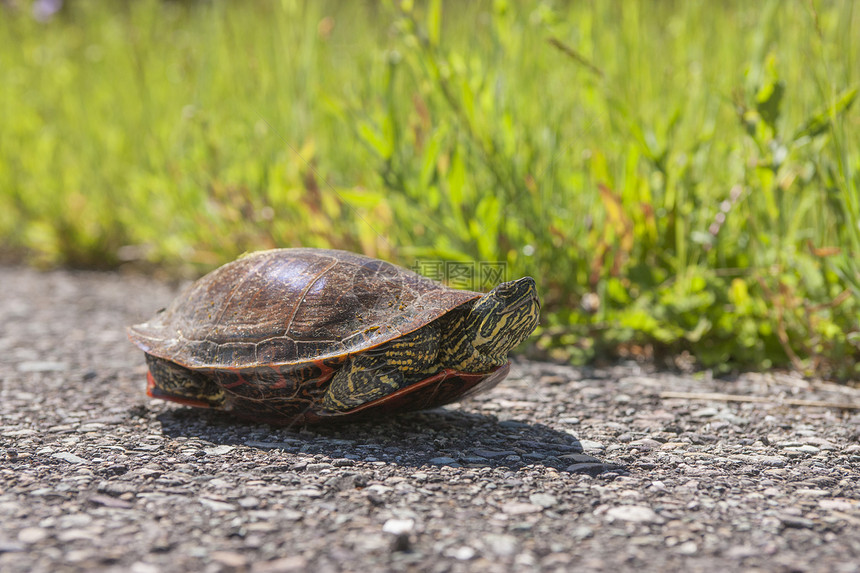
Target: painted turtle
(311, 335)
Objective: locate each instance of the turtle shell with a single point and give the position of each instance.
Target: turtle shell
(293, 306)
(267, 332)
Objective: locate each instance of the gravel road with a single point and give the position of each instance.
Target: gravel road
(556, 469)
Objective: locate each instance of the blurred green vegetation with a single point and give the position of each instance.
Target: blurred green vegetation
(680, 177)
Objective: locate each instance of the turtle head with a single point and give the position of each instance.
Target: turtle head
(501, 319)
(170, 381)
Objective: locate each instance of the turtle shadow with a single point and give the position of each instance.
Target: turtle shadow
(439, 437)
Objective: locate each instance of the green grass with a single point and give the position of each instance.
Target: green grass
(691, 166)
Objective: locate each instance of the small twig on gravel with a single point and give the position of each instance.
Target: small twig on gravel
(740, 398)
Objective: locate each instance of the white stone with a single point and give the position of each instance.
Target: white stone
(634, 513)
(543, 499)
(398, 526)
(590, 446)
(502, 545)
(520, 508)
(218, 450)
(32, 535)
(69, 457)
(216, 505)
(463, 553)
(42, 366)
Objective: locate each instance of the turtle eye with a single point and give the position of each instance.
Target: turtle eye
(505, 290)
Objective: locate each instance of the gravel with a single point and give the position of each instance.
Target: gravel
(556, 469)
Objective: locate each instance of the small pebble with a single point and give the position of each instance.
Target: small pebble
(794, 522)
(591, 446)
(218, 450)
(688, 548)
(291, 564)
(520, 508)
(108, 501)
(462, 553)
(69, 457)
(42, 366)
(502, 545)
(634, 513)
(705, 413)
(809, 492)
(229, 558)
(30, 535)
(216, 505)
(645, 444)
(543, 499)
(398, 526)
(10, 547)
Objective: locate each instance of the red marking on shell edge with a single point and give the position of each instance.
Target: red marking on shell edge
(282, 382)
(325, 369)
(150, 383)
(326, 372)
(153, 391)
(240, 380)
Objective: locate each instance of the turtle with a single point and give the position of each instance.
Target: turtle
(306, 336)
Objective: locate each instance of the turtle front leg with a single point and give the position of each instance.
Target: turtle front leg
(381, 371)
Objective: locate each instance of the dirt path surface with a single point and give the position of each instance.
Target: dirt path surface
(556, 469)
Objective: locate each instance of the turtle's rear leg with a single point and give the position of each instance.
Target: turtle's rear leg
(170, 381)
(381, 371)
